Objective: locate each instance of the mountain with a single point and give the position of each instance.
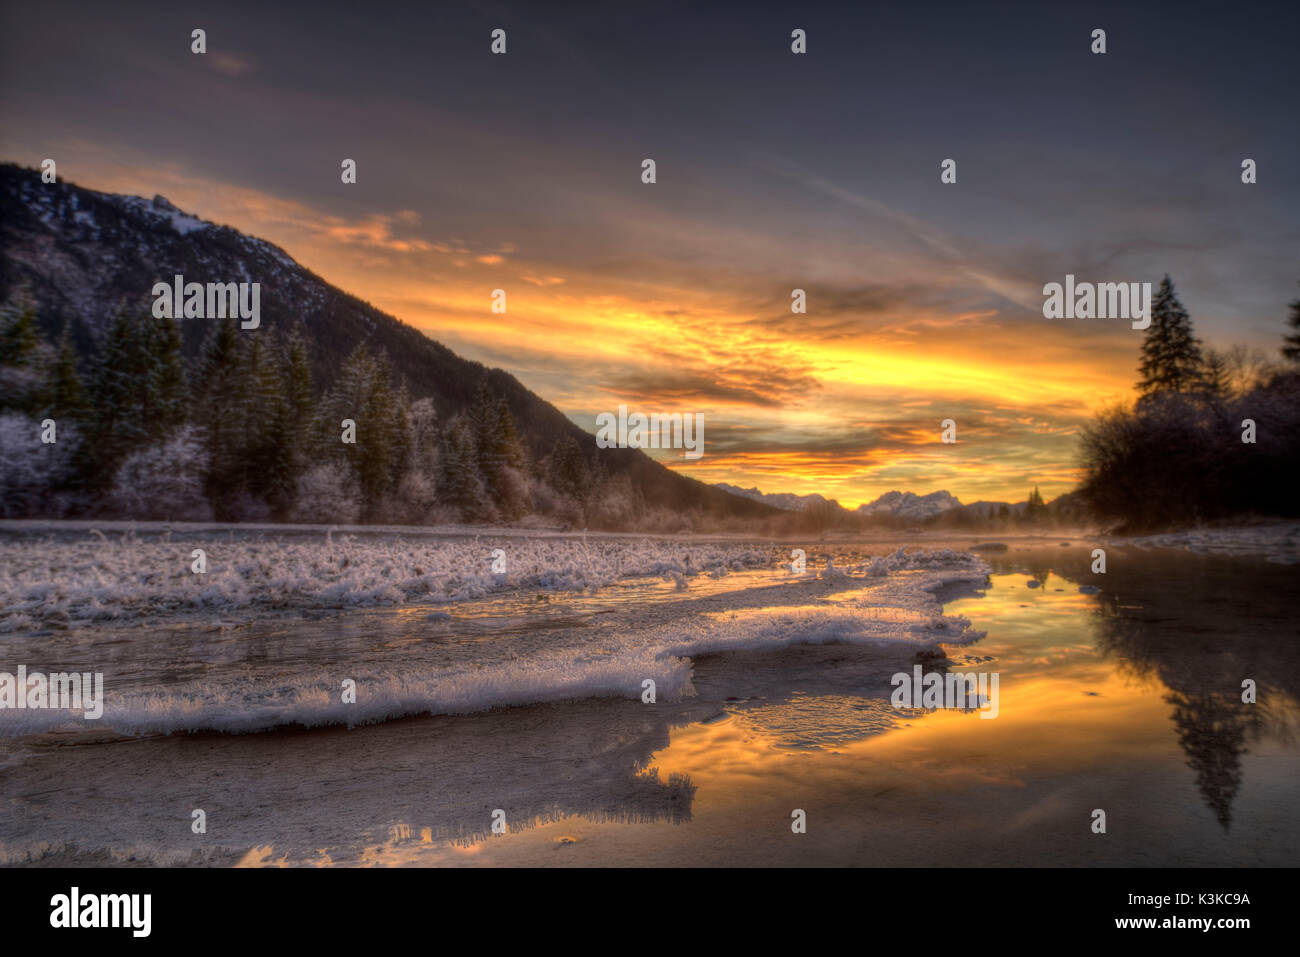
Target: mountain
(786, 501)
(909, 505)
(82, 255)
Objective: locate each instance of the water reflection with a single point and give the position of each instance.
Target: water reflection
(1200, 626)
(1100, 695)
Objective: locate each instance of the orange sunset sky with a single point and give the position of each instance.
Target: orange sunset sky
(775, 172)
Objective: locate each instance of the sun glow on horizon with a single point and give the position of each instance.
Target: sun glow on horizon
(849, 410)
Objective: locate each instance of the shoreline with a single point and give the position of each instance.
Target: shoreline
(710, 779)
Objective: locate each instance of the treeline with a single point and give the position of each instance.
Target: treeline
(1033, 514)
(244, 434)
(1211, 435)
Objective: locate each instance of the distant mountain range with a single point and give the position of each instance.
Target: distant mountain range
(786, 501)
(905, 505)
(82, 255)
(909, 505)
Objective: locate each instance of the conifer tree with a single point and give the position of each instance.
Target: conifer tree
(458, 480)
(425, 436)
(401, 434)
(18, 334)
(123, 400)
(365, 394)
(498, 450)
(22, 358)
(377, 461)
(509, 445)
(482, 410)
(296, 407)
(264, 444)
(1035, 507)
(217, 411)
(298, 381)
(65, 395)
(167, 376)
(1291, 341)
(568, 471)
(1171, 354)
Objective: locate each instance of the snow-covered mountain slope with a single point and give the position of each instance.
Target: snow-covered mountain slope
(909, 505)
(82, 255)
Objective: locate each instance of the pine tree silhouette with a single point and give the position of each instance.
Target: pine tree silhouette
(1171, 354)
(1291, 341)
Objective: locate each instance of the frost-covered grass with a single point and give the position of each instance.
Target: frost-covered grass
(1277, 542)
(99, 577)
(887, 604)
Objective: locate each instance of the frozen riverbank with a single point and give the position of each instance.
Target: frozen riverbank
(1125, 698)
(632, 612)
(61, 575)
(1277, 542)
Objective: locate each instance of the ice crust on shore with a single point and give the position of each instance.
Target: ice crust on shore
(126, 577)
(1277, 542)
(887, 603)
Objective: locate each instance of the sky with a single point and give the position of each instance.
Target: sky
(774, 171)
